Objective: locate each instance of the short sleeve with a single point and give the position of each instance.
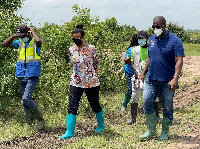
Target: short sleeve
(179, 50)
(16, 44)
(128, 52)
(38, 48)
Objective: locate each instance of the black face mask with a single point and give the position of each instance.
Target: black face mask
(78, 42)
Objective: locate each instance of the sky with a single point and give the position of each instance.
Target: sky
(138, 13)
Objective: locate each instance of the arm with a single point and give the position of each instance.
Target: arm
(135, 72)
(95, 60)
(132, 64)
(8, 42)
(145, 70)
(96, 71)
(127, 60)
(36, 38)
(178, 67)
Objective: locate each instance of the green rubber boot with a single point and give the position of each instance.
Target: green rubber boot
(30, 118)
(125, 102)
(38, 115)
(165, 128)
(100, 121)
(71, 123)
(151, 126)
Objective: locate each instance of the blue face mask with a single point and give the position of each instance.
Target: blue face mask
(142, 42)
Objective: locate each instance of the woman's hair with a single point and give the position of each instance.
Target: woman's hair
(134, 41)
(79, 29)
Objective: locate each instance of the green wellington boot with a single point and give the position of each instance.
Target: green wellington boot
(71, 123)
(151, 126)
(100, 121)
(134, 109)
(30, 118)
(165, 128)
(38, 115)
(125, 102)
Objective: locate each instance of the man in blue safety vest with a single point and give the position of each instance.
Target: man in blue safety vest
(28, 70)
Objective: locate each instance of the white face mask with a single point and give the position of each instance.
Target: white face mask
(25, 39)
(158, 32)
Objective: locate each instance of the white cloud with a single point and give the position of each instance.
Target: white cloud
(131, 12)
(53, 3)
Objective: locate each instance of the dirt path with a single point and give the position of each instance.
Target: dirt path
(191, 69)
(184, 97)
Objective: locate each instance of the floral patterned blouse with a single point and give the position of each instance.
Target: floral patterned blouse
(85, 62)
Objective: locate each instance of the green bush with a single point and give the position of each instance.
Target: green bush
(179, 31)
(53, 88)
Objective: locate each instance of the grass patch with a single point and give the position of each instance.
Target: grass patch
(191, 49)
(117, 133)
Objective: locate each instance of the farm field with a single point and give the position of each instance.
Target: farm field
(184, 132)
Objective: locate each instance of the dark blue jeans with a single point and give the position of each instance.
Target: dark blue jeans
(129, 83)
(154, 88)
(27, 85)
(75, 96)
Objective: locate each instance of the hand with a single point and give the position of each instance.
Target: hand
(135, 74)
(173, 84)
(141, 78)
(31, 30)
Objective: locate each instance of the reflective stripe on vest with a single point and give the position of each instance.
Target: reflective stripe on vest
(31, 54)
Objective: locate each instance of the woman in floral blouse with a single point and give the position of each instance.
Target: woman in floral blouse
(84, 78)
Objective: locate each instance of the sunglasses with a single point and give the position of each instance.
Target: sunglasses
(157, 26)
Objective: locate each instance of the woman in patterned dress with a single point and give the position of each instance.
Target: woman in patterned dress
(84, 59)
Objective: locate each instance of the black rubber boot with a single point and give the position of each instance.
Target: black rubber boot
(134, 110)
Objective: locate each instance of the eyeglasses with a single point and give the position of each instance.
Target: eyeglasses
(157, 26)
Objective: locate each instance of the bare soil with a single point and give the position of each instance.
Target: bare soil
(186, 95)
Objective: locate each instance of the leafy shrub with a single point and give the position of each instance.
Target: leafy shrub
(53, 87)
(179, 31)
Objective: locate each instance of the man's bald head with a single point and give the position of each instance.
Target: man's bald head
(159, 23)
(160, 19)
